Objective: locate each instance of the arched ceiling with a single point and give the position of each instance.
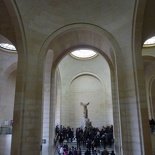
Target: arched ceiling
(148, 60)
(149, 20)
(6, 26)
(88, 36)
(44, 17)
(50, 15)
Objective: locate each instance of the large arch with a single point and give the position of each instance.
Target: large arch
(138, 36)
(17, 33)
(86, 35)
(149, 67)
(7, 95)
(14, 31)
(8, 87)
(152, 90)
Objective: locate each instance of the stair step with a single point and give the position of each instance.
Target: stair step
(83, 148)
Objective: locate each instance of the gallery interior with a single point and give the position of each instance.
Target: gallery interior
(58, 56)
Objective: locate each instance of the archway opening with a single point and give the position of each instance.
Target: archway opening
(85, 81)
(61, 47)
(8, 59)
(149, 65)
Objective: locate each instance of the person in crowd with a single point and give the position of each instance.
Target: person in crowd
(70, 152)
(87, 152)
(112, 153)
(98, 152)
(58, 148)
(105, 152)
(61, 138)
(65, 146)
(94, 152)
(61, 150)
(75, 151)
(71, 133)
(78, 137)
(92, 138)
(79, 152)
(65, 152)
(104, 140)
(93, 145)
(88, 144)
(57, 129)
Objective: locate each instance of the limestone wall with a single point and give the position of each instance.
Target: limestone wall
(85, 81)
(7, 85)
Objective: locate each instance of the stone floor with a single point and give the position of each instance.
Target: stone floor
(5, 144)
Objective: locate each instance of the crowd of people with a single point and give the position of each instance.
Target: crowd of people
(90, 138)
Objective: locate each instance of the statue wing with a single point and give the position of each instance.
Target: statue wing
(82, 103)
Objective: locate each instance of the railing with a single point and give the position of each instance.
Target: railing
(56, 139)
(5, 130)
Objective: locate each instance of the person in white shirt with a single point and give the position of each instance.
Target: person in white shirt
(61, 150)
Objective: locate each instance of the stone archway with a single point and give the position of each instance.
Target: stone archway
(79, 35)
(149, 67)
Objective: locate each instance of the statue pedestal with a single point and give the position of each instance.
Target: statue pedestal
(86, 123)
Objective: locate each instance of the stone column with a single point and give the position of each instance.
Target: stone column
(46, 99)
(116, 117)
(27, 125)
(133, 108)
(52, 111)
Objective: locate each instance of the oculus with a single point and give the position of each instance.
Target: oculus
(83, 54)
(149, 42)
(7, 46)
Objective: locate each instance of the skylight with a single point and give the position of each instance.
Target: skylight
(84, 54)
(7, 46)
(150, 42)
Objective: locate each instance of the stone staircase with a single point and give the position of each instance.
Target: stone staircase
(83, 148)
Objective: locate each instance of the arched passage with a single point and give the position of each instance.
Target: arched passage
(85, 35)
(153, 97)
(85, 81)
(131, 96)
(149, 67)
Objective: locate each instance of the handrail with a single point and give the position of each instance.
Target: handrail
(56, 139)
(56, 143)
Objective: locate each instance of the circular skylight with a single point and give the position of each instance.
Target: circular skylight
(150, 42)
(84, 54)
(7, 46)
